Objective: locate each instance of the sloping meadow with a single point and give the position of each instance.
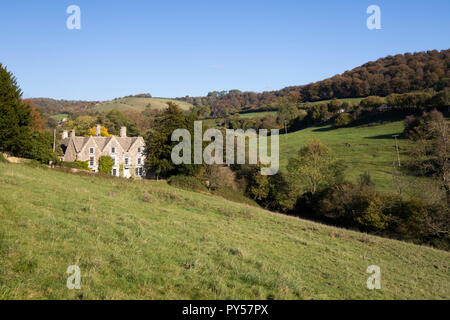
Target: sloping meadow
(148, 240)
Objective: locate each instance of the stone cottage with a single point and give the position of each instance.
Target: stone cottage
(126, 152)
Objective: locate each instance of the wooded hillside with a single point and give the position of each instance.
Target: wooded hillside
(393, 74)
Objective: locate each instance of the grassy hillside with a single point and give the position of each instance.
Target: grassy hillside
(148, 240)
(364, 148)
(257, 115)
(352, 100)
(139, 104)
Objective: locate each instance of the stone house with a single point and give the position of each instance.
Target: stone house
(128, 153)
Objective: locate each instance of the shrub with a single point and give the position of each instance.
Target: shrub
(416, 220)
(187, 183)
(371, 101)
(84, 165)
(3, 159)
(217, 176)
(362, 208)
(105, 164)
(344, 119)
(354, 206)
(416, 127)
(37, 146)
(35, 164)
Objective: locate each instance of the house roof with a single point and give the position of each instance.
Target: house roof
(101, 142)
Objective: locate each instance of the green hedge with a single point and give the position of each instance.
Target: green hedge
(84, 165)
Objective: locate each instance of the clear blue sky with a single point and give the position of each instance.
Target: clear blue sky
(178, 48)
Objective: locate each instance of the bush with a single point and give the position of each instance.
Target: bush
(342, 120)
(187, 183)
(105, 164)
(421, 222)
(362, 208)
(35, 164)
(3, 159)
(37, 146)
(371, 101)
(417, 127)
(83, 165)
(353, 206)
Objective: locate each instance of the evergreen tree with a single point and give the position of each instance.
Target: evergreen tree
(15, 117)
(159, 143)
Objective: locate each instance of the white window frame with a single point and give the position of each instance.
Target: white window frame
(91, 149)
(139, 161)
(126, 161)
(91, 159)
(113, 150)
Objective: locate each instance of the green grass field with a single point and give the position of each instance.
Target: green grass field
(257, 115)
(147, 240)
(139, 104)
(353, 100)
(60, 116)
(365, 148)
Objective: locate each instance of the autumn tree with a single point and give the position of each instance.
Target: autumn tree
(314, 167)
(432, 150)
(93, 132)
(82, 124)
(38, 122)
(114, 120)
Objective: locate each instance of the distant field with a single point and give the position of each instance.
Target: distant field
(354, 100)
(148, 240)
(60, 116)
(256, 115)
(139, 104)
(366, 148)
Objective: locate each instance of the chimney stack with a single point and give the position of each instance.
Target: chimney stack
(97, 131)
(65, 134)
(72, 133)
(123, 132)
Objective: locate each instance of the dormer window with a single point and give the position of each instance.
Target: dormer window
(113, 150)
(91, 150)
(139, 149)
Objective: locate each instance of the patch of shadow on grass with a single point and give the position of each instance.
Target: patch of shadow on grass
(25, 265)
(324, 129)
(4, 246)
(366, 239)
(383, 136)
(9, 206)
(234, 252)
